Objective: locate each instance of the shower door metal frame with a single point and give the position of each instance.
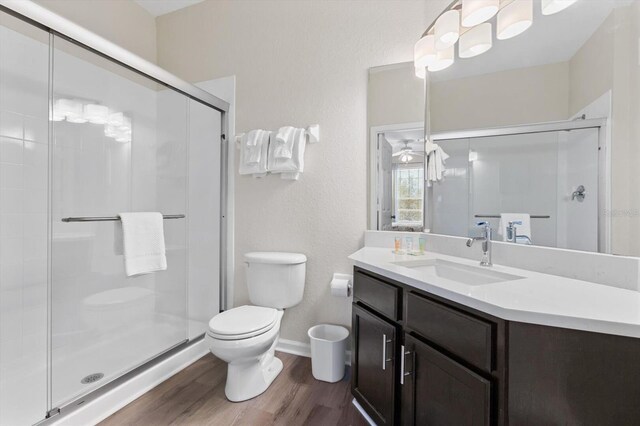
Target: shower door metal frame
(604, 160)
(56, 25)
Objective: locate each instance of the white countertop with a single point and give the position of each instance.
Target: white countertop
(536, 298)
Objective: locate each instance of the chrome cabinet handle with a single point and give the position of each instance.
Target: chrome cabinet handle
(384, 351)
(402, 372)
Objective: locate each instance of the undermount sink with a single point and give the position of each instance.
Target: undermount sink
(464, 274)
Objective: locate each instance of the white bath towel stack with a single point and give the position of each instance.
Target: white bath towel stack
(436, 159)
(286, 153)
(523, 230)
(254, 147)
(143, 240)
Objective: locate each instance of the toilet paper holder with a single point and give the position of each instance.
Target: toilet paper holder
(340, 283)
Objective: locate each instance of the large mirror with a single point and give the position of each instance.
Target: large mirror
(539, 135)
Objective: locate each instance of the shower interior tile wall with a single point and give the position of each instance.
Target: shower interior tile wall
(24, 57)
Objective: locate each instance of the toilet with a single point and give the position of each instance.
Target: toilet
(246, 336)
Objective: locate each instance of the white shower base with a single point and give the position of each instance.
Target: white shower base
(71, 362)
(113, 356)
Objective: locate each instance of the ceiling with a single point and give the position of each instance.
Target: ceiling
(550, 39)
(162, 7)
(397, 139)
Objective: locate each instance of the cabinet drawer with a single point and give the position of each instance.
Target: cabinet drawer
(463, 335)
(382, 297)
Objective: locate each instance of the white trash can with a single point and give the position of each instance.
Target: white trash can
(328, 346)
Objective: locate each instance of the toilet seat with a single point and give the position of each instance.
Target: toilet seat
(242, 322)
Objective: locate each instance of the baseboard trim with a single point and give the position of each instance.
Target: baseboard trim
(105, 405)
(293, 347)
(302, 349)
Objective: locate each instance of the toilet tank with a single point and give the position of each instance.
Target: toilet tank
(275, 279)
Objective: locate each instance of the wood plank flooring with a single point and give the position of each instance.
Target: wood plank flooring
(195, 396)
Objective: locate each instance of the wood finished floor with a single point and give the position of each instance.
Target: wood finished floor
(195, 396)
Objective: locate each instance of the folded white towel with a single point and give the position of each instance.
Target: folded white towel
(523, 230)
(253, 158)
(143, 237)
(295, 164)
(284, 142)
(253, 147)
(436, 159)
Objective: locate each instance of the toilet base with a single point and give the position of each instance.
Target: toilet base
(246, 380)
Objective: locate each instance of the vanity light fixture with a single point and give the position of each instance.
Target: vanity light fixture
(475, 41)
(475, 33)
(116, 124)
(549, 7)
(444, 59)
(476, 12)
(447, 29)
(514, 19)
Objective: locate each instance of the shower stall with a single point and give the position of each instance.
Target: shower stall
(88, 131)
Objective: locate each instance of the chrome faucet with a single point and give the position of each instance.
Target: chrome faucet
(512, 233)
(486, 243)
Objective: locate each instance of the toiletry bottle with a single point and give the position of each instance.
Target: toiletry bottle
(422, 244)
(408, 244)
(397, 245)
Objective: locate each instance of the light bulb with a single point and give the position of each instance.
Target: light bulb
(475, 41)
(56, 114)
(116, 119)
(72, 110)
(549, 7)
(444, 60)
(514, 19)
(97, 114)
(424, 51)
(475, 12)
(447, 29)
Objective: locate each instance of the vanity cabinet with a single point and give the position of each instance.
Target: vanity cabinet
(418, 360)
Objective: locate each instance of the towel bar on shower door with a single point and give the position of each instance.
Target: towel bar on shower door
(112, 218)
(497, 216)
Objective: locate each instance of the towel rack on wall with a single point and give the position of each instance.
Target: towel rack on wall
(497, 216)
(312, 134)
(113, 218)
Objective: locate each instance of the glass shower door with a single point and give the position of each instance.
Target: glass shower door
(24, 93)
(119, 145)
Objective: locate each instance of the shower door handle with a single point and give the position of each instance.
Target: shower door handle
(579, 194)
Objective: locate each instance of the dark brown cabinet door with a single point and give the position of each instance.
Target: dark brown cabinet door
(437, 391)
(373, 364)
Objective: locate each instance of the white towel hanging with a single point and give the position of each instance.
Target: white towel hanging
(253, 157)
(436, 159)
(143, 238)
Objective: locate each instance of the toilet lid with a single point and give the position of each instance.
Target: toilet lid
(243, 321)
